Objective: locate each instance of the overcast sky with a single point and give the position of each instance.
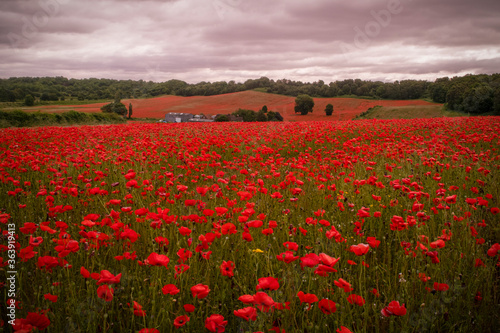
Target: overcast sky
(214, 40)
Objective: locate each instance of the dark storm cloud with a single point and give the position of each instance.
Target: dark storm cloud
(213, 40)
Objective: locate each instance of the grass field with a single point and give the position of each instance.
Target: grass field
(409, 112)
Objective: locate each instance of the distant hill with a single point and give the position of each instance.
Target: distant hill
(344, 108)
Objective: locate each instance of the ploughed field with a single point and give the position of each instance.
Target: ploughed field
(367, 226)
(344, 108)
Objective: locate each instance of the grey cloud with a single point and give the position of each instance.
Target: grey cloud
(211, 40)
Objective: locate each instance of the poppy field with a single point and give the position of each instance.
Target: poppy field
(354, 226)
(157, 107)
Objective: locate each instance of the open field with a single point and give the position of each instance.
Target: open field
(366, 226)
(410, 112)
(344, 108)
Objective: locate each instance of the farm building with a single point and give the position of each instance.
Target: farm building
(174, 117)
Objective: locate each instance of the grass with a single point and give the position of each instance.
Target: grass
(20, 104)
(18, 118)
(409, 112)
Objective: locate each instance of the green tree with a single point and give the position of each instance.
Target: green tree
(247, 115)
(29, 100)
(304, 104)
(496, 101)
(115, 107)
(222, 118)
(329, 109)
(129, 110)
(264, 108)
(478, 99)
(261, 116)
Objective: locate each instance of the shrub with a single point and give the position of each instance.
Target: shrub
(221, 118)
(115, 107)
(329, 109)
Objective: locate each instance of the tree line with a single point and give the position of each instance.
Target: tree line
(470, 93)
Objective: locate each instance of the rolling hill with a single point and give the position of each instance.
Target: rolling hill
(344, 108)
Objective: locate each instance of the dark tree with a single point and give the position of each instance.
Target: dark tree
(115, 107)
(329, 109)
(261, 116)
(304, 104)
(29, 100)
(129, 110)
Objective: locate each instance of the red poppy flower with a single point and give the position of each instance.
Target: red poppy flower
(254, 224)
(291, 246)
(181, 321)
(248, 313)
(170, 289)
(40, 321)
(493, 250)
(394, 309)
(184, 231)
(50, 297)
(149, 330)
(451, 199)
(27, 253)
(323, 270)
(246, 236)
(327, 260)
(343, 329)
(307, 298)
(327, 306)
(356, 299)
(479, 263)
(84, 272)
(184, 255)
(226, 269)
(107, 277)
(438, 244)
(105, 292)
(262, 298)
(360, 249)
(221, 210)
(309, 260)
(373, 242)
(269, 283)
(35, 241)
(216, 323)
(441, 286)
(28, 228)
(343, 284)
(287, 257)
(189, 307)
(200, 291)
(247, 299)
(138, 311)
(375, 292)
(228, 229)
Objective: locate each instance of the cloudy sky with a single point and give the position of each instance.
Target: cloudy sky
(213, 40)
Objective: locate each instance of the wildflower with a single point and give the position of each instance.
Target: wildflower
(170, 289)
(227, 268)
(248, 313)
(200, 291)
(394, 309)
(327, 306)
(215, 323)
(181, 321)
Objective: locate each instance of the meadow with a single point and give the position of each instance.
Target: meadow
(366, 226)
